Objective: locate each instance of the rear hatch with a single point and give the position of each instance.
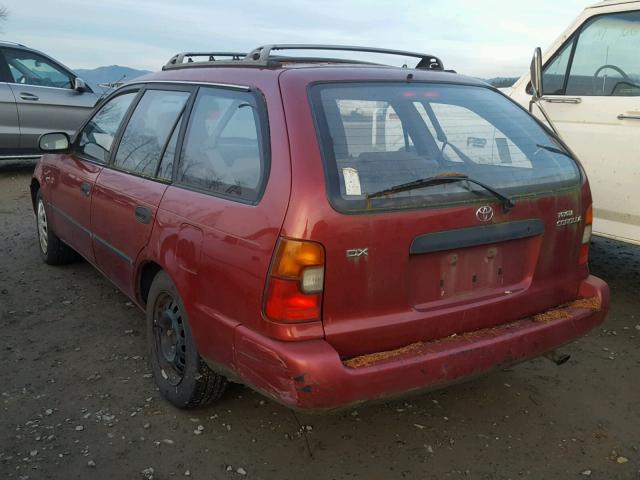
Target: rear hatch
(409, 259)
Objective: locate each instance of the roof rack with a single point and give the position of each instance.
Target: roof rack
(262, 57)
(180, 58)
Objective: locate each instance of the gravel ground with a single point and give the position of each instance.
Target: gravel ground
(77, 400)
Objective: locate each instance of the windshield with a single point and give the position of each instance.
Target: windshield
(375, 136)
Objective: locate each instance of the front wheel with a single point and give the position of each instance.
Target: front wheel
(182, 376)
(52, 250)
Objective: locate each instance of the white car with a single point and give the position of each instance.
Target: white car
(591, 94)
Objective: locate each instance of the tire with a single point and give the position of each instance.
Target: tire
(53, 251)
(183, 378)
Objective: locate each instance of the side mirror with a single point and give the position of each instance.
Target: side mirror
(536, 74)
(54, 142)
(79, 85)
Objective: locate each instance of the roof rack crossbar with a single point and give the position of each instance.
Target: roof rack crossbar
(427, 61)
(188, 57)
(263, 57)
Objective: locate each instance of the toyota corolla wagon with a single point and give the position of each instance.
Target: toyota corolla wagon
(326, 231)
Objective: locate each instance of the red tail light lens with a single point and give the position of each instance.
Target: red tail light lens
(296, 281)
(286, 303)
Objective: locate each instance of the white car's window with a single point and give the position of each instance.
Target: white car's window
(606, 61)
(148, 130)
(32, 69)
(97, 136)
(555, 72)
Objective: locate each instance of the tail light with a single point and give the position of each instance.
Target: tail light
(586, 236)
(295, 283)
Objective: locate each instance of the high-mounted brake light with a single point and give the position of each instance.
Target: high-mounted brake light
(586, 236)
(296, 281)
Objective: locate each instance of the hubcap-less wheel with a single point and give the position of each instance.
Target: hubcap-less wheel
(168, 328)
(42, 227)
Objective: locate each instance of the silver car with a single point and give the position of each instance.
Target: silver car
(37, 95)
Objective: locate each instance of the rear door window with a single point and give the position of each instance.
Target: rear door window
(165, 171)
(376, 136)
(147, 133)
(225, 150)
(96, 139)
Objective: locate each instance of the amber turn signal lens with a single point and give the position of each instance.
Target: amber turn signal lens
(294, 255)
(588, 220)
(588, 215)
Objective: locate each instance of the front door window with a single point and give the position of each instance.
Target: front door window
(97, 137)
(606, 60)
(28, 68)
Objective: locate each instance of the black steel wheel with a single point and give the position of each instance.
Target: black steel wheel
(181, 374)
(168, 328)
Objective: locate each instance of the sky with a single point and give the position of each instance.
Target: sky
(483, 38)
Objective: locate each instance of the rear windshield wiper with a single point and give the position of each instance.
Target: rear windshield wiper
(442, 178)
(551, 148)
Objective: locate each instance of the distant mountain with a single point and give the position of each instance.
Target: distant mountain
(112, 73)
(502, 82)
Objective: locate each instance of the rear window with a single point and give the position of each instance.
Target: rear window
(377, 136)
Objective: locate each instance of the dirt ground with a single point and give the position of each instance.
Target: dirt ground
(77, 400)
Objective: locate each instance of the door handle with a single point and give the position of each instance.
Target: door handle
(143, 214)
(629, 116)
(29, 96)
(562, 99)
(85, 188)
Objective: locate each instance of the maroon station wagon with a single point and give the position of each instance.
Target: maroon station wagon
(326, 231)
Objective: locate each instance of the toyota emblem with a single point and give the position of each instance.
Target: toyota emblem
(485, 213)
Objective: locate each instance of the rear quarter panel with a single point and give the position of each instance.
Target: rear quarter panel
(218, 251)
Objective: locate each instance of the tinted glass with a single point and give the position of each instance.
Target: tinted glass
(554, 73)
(148, 130)
(408, 132)
(222, 150)
(606, 61)
(32, 69)
(97, 137)
(166, 164)
(475, 138)
(371, 125)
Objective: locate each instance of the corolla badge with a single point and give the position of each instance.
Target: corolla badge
(484, 213)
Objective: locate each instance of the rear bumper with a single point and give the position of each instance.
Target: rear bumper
(310, 375)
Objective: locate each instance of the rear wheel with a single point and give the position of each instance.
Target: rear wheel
(182, 376)
(52, 250)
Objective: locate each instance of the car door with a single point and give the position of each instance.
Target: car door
(74, 175)
(9, 124)
(45, 96)
(128, 192)
(592, 95)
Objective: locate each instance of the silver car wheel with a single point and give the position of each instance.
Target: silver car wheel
(42, 227)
